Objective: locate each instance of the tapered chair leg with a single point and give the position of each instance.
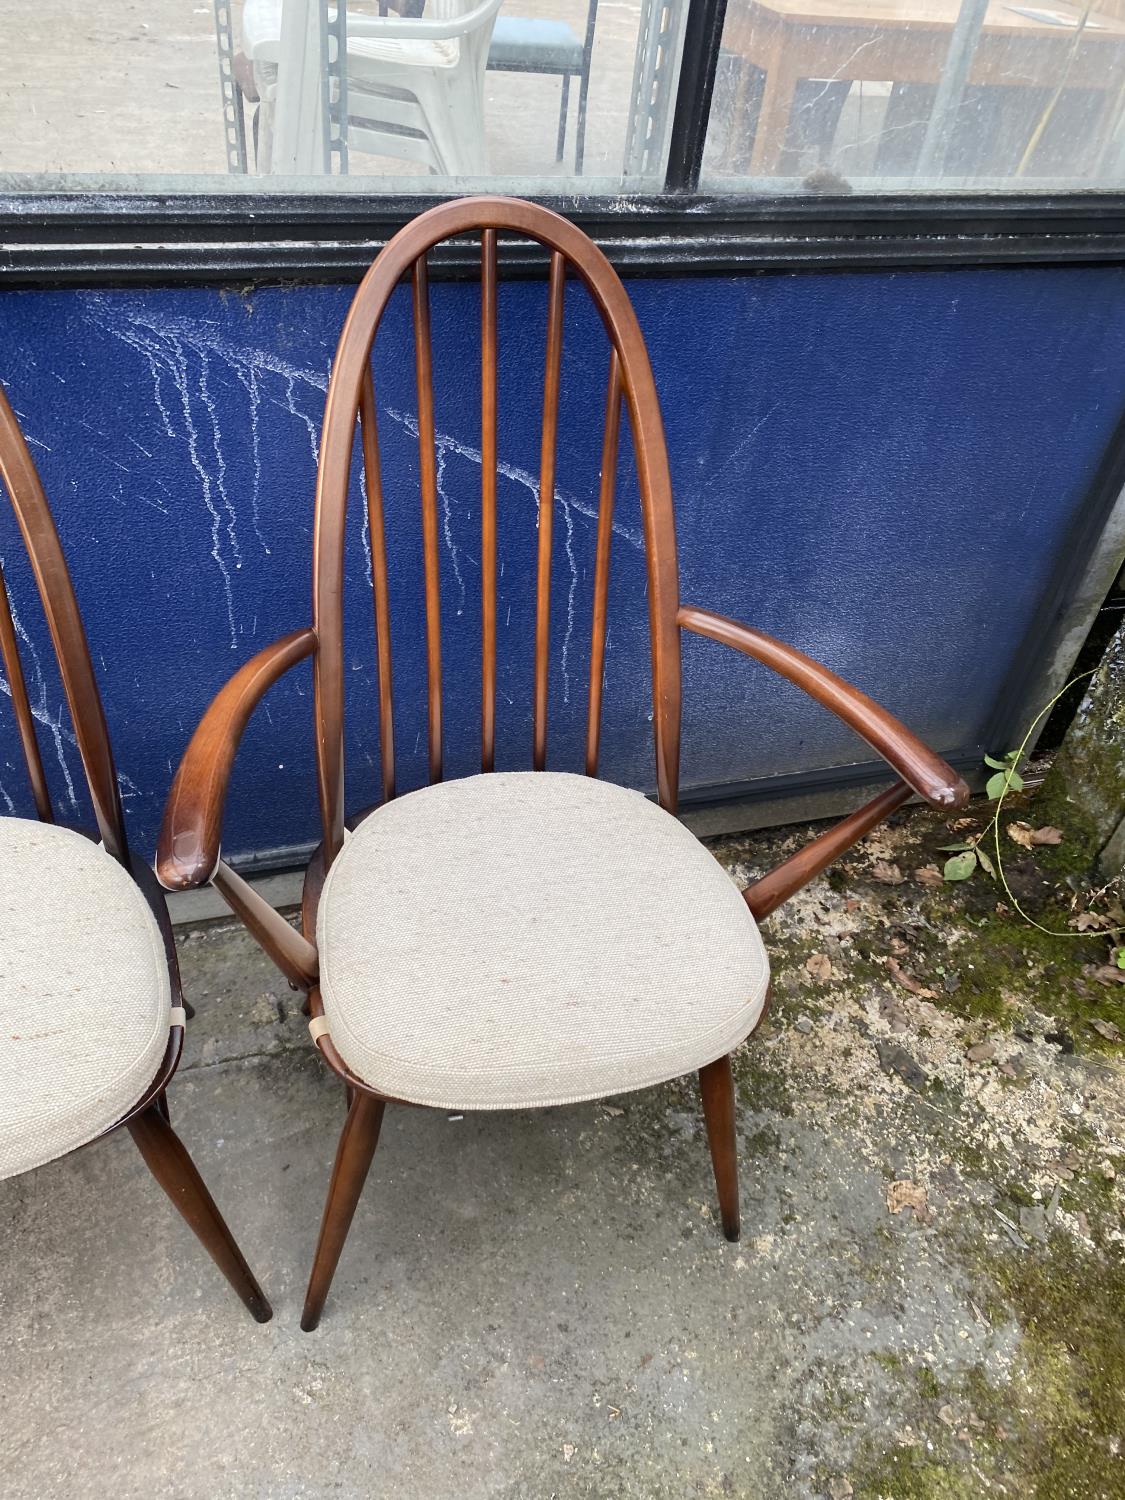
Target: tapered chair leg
(358, 1140)
(717, 1084)
(167, 1159)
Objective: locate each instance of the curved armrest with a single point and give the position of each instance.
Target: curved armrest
(190, 836)
(922, 770)
(422, 28)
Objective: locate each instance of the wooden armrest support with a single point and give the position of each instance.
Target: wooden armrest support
(767, 894)
(922, 770)
(191, 834)
(293, 954)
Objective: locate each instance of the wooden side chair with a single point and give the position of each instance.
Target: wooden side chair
(486, 943)
(91, 1014)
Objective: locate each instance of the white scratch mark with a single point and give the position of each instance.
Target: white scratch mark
(249, 380)
(564, 660)
(220, 462)
(442, 447)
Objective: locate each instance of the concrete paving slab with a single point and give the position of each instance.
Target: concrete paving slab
(540, 1304)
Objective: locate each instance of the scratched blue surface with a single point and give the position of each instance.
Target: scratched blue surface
(878, 468)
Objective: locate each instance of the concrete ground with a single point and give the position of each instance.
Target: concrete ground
(925, 1302)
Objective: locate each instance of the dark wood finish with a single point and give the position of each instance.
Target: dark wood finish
(377, 537)
(148, 1120)
(189, 848)
(44, 551)
(356, 1148)
(794, 873)
(488, 369)
(293, 954)
(574, 253)
(167, 1159)
(427, 458)
(25, 722)
(548, 453)
(924, 771)
(607, 490)
(716, 1083)
(191, 833)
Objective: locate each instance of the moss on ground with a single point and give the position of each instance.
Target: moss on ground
(1055, 1429)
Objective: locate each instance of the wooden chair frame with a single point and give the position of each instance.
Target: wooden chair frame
(189, 851)
(149, 1120)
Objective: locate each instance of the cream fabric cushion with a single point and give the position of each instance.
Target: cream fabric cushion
(532, 938)
(84, 993)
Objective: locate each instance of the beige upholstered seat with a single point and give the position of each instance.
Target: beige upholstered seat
(532, 938)
(84, 993)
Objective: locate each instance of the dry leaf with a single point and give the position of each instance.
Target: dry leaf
(888, 873)
(1107, 1029)
(929, 875)
(907, 981)
(981, 1052)
(959, 823)
(1088, 921)
(819, 965)
(907, 1194)
(1105, 973)
(1029, 837)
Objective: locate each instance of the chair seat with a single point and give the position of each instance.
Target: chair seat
(84, 993)
(521, 44)
(532, 938)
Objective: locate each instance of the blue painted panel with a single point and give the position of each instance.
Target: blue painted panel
(878, 468)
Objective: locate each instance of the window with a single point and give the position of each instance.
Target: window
(842, 95)
(545, 95)
(560, 97)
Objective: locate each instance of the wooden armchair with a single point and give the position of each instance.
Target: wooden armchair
(91, 1014)
(485, 943)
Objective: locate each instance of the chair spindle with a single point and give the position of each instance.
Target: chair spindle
(488, 498)
(547, 503)
(377, 532)
(601, 562)
(427, 454)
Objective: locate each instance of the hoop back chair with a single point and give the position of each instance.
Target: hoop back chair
(485, 943)
(91, 1013)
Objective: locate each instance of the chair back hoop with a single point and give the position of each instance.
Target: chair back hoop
(351, 397)
(56, 592)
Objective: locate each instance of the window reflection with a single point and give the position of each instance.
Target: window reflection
(834, 94)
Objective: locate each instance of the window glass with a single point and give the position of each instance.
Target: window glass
(862, 95)
(541, 95)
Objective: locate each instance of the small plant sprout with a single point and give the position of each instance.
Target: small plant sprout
(966, 857)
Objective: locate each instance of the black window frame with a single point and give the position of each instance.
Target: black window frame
(159, 238)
